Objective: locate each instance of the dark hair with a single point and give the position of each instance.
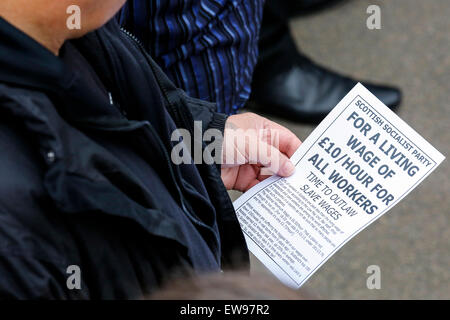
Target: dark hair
(233, 285)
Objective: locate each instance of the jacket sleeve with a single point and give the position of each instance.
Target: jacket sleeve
(206, 113)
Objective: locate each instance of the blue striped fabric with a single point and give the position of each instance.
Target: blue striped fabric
(207, 47)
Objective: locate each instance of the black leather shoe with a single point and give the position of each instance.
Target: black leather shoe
(307, 92)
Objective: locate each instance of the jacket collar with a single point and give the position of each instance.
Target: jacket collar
(25, 62)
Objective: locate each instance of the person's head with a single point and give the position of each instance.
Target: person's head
(231, 285)
(46, 20)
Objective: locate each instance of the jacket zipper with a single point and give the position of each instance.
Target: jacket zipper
(164, 89)
(186, 123)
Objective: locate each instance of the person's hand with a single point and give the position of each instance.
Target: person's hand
(253, 149)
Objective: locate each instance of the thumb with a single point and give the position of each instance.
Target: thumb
(272, 159)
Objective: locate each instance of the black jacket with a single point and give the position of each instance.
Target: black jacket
(65, 200)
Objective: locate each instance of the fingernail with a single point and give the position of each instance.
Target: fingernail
(288, 168)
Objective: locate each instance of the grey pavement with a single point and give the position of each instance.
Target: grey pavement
(411, 243)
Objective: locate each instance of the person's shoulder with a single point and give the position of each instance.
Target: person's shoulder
(16, 96)
(22, 170)
(20, 166)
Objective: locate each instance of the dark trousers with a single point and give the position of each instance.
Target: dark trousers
(276, 45)
(277, 48)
